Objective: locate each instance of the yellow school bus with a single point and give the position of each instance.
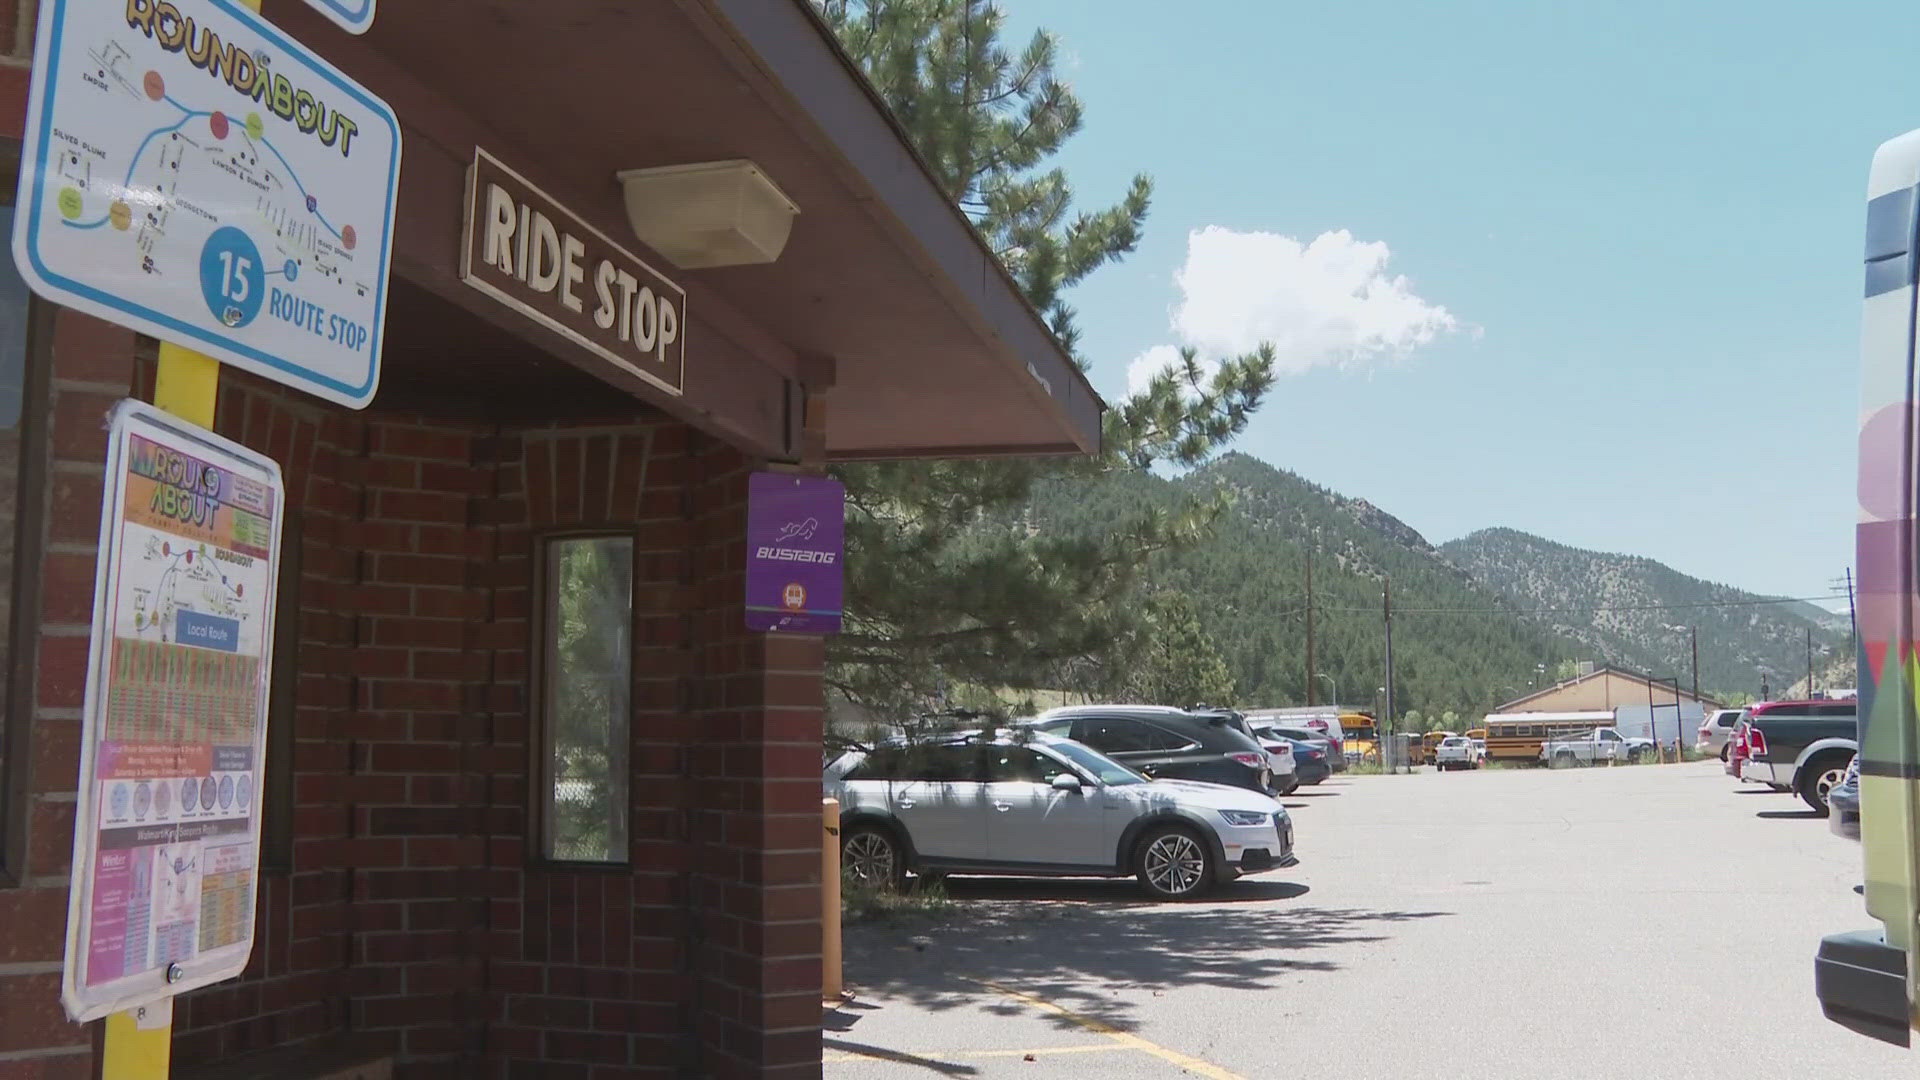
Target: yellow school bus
(1431, 742)
(1516, 737)
(1362, 736)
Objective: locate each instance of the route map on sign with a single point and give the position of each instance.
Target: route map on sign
(175, 726)
(193, 175)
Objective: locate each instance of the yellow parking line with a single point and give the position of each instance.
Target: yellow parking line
(1122, 1038)
(948, 1055)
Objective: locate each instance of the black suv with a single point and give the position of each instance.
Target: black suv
(1166, 744)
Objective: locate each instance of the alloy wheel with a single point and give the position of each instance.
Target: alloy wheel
(869, 859)
(1824, 784)
(1175, 864)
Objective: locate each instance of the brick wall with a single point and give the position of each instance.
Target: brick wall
(93, 366)
(412, 916)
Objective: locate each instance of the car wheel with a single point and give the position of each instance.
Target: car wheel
(871, 855)
(1724, 750)
(1563, 761)
(1172, 863)
(1821, 776)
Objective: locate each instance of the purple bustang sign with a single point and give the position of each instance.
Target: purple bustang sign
(796, 536)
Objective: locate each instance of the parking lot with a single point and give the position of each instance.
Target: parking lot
(1650, 921)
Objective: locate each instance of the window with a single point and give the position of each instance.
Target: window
(1116, 736)
(586, 689)
(1020, 765)
(1103, 769)
(942, 764)
(23, 385)
(1610, 736)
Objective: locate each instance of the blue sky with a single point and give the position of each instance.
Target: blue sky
(1629, 234)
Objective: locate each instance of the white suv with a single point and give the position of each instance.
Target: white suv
(1037, 804)
(1715, 731)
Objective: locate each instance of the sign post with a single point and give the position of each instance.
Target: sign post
(796, 536)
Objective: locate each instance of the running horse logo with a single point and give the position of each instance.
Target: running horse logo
(797, 530)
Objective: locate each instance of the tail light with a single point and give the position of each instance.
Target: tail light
(1756, 743)
(1251, 761)
(1705, 732)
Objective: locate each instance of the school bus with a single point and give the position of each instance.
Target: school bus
(1516, 737)
(1869, 980)
(1362, 742)
(1431, 742)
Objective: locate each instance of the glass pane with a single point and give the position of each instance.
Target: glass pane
(588, 682)
(1017, 764)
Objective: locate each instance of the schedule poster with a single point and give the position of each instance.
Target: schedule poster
(166, 842)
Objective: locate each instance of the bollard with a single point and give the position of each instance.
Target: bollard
(830, 983)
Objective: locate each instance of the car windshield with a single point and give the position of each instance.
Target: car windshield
(1103, 768)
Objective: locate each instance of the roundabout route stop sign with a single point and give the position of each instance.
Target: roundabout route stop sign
(191, 172)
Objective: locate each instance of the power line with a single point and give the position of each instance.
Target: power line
(1590, 610)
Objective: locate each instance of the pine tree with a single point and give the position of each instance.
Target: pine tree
(945, 583)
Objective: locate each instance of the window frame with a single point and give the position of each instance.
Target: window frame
(539, 754)
(23, 617)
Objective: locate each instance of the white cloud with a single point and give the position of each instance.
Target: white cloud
(1329, 302)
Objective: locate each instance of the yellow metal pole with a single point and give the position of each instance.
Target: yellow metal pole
(139, 1042)
(830, 974)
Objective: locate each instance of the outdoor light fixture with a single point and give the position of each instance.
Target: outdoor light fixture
(715, 213)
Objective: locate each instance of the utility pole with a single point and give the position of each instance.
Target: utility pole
(1310, 667)
(1853, 627)
(1809, 661)
(1386, 607)
(1694, 633)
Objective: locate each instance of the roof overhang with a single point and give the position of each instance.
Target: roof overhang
(884, 290)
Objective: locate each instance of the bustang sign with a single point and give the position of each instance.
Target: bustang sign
(532, 254)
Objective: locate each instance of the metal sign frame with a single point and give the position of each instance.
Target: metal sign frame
(172, 974)
(353, 16)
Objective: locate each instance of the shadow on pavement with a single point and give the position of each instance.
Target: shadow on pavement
(1088, 953)
(1111, 892)
(1789, 815)
(944, 1068)
(1305, 794)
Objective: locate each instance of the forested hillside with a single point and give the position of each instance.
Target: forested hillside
(1640, 613)
(1456, 647)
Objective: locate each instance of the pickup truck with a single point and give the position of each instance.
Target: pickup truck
(1596, 746)
(1800, 746)
(1455, 752)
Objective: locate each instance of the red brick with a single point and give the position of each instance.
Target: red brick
(414, 695)
(87, 349)
(421, 570)
(73, 513)
(56, 755)
(439, 444)
(36, 925)
(431, 507)
(74, 1065)
(63, 671)
(416, 757)
(80, 424)
(34, 1019)
(50, 828)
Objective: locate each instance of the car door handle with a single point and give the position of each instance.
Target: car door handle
(904, 804)
(1003, 807)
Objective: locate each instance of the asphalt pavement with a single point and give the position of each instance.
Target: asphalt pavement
(1644, 922)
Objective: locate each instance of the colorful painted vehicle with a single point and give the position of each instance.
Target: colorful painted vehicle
(1869, 980)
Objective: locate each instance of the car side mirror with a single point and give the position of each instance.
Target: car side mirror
(1066, 782)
